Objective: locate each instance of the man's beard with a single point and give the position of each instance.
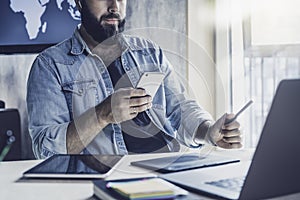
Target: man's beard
(98, 31)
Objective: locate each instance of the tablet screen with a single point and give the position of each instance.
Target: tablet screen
(75, 166)
(183, 162)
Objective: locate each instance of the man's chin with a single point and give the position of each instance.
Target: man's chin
(107, 32)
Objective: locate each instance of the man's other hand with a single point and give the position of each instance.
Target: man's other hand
(226, 135)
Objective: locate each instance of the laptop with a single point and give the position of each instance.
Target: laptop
(274, 170)
(75, 166)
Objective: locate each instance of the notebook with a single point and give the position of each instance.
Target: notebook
(274, 170)
(75, 166)
(137, 188)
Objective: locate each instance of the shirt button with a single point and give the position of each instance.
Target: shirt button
(127, 68)
(80, 91)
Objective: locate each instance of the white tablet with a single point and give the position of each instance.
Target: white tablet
(75, 166)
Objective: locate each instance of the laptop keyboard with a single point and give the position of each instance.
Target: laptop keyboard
(232, 184)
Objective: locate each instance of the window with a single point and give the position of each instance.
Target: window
(264, 48)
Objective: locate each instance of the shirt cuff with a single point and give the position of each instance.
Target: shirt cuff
(201, 137)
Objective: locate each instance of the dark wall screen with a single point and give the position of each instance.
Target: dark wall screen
(31, 26)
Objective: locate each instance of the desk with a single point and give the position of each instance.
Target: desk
(12, 186)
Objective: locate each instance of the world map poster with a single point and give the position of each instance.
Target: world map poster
(29, 22)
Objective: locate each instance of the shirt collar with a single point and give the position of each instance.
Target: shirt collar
(79, 45)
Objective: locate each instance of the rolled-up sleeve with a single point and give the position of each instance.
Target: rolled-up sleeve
(48, 112)
(184, 113)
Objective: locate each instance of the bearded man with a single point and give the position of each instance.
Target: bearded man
(82, 99)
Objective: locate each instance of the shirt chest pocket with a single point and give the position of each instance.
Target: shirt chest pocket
(80, 95)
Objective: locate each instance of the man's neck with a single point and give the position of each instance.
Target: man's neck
(108, 51)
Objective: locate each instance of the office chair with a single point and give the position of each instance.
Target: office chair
(10, 135)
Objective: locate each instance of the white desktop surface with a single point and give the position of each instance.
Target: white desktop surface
(13, 186)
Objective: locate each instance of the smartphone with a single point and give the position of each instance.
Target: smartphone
(150, 81)
(239, 112)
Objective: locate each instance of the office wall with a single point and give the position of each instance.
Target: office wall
(201, 53)
(164, 22)
(167, 19)
(14, 70)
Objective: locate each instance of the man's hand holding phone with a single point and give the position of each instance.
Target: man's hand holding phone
(227, 136)
(123, 105)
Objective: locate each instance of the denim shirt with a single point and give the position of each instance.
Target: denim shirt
(66, 80)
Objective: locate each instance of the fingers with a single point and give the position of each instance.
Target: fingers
(139, 101)
(231, 139)
(134, 110)
(132, 92)
(226, 145)
(126, 103)
(226, 135)
(134, 97)
(230, 133)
